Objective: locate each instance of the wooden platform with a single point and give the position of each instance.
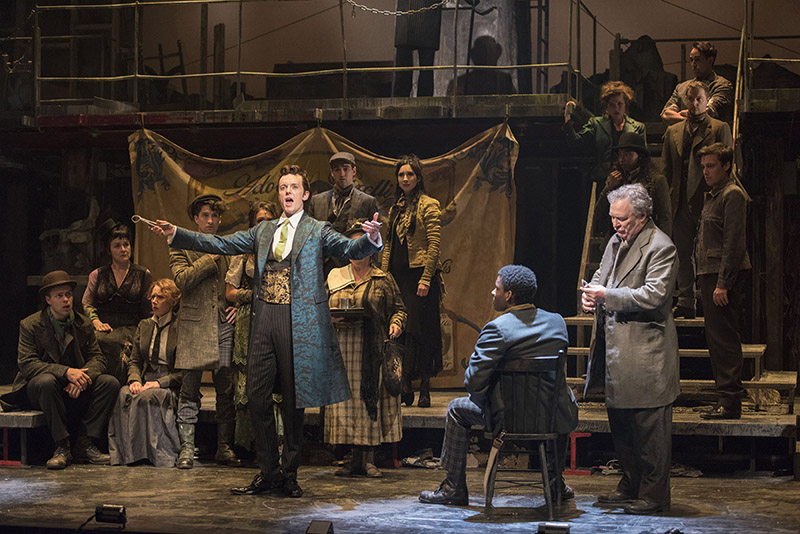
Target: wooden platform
(592, 418)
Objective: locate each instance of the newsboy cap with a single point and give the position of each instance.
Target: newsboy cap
(343, 156)
(205, 197)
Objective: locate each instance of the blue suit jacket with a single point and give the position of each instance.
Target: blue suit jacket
(523, 331)
(319, 373)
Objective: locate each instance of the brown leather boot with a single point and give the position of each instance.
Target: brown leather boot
(62, 456)
(225, 454)
(186, 456)
(353, 468)
(369, 464)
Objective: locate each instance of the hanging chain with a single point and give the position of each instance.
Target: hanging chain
(389, 13)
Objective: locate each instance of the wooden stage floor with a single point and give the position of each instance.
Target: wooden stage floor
(197, 501)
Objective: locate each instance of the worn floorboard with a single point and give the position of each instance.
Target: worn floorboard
(197, 501)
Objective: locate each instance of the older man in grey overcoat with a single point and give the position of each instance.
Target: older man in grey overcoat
(634, 349)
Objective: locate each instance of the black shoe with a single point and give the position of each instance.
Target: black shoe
(615, 498)
(424, 393)
(720, 412)
(684, 311)
(567, 493)
(644, 507)
(407, 398)
(446, 494)
(86, 452)
(257, 486)
(292, 489)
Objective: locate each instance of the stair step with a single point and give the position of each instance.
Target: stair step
(748, 351)
(780, 380)
(586, 320)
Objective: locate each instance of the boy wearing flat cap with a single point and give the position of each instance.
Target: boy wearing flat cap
(61, 373)
(205, 335)
(344, 204)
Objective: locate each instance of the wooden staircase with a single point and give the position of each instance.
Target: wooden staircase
(785, 382)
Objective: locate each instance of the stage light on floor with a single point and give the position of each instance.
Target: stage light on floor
(553, 528)
(320, 527)
(107, 513)
(110, 513)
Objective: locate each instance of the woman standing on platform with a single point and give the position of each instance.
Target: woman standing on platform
(372, 416)
(143, 425)
(601, 134)
(115, 299)
(412, 257)
(239, 285)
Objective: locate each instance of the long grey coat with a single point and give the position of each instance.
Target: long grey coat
(319, 374)
(635, 355)
(710, 132)
(201, 280)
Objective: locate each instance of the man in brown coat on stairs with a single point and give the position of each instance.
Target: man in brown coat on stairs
(722, 265)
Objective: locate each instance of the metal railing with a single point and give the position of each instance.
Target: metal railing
(137, 76)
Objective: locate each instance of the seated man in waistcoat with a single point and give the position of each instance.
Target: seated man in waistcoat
(61, 373)
(522, 331)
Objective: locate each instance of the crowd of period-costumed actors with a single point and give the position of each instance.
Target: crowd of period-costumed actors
(127, 371)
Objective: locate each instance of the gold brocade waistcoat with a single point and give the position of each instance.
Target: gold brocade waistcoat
(276, 285)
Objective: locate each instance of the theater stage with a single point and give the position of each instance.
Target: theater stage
(197, 501)
(731, 500)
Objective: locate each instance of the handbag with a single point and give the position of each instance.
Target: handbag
(392, 366)
(392, 355)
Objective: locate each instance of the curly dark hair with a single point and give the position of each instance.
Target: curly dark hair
(301, 172)
(611, 89)
(521, 281)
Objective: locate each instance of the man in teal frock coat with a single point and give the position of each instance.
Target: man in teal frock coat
(293, 345)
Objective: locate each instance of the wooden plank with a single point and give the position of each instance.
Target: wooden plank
(587, 320)
(587, 237)
(748, 351)
(780, 380)
(22, 419)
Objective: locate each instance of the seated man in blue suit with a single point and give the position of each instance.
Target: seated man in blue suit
(522, 331)
(293, 349)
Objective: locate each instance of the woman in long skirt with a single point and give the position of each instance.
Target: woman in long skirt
(143, 425)
(372, 416)
(412, 257)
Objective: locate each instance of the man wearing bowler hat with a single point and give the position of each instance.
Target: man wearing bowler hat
(205, 335)
(344, 204)
(632, 165)
(61, 373)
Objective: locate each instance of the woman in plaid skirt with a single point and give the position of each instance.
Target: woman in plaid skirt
(367, 308)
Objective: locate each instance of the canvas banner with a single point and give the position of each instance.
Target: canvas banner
(474, 184)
